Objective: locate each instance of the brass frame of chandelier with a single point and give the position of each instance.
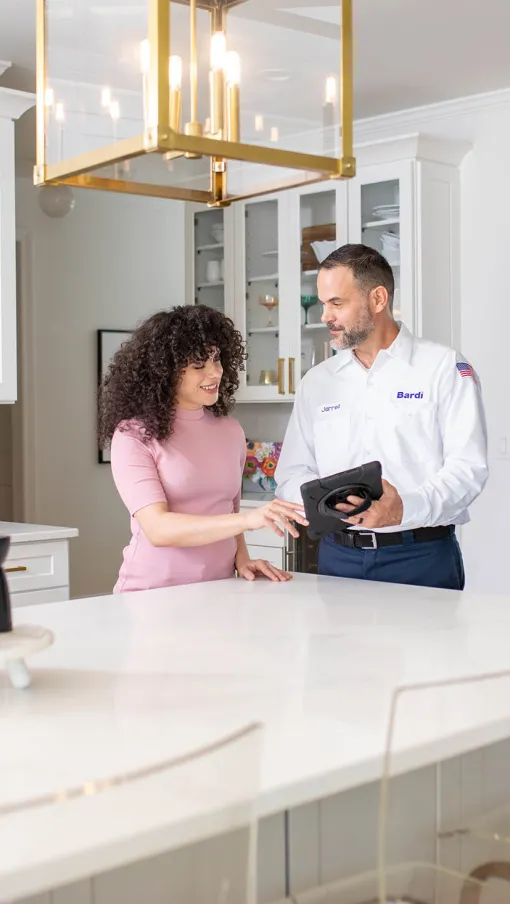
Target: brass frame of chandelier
(160, 137)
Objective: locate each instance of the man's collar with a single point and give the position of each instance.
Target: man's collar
(401, 347)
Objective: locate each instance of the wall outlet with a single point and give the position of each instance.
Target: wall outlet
(503, 449)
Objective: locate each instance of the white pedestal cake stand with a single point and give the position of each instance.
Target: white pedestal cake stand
(15, 645)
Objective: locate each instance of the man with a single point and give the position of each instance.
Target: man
(411, 404)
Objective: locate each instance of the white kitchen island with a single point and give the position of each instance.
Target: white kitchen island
(138, 678)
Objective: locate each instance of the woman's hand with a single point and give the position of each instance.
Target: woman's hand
(250, 568)
(277, 515)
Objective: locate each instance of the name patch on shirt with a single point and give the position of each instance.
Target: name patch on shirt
(409, 395)
(326, 409)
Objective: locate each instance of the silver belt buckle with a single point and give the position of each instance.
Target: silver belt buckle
(373, 537)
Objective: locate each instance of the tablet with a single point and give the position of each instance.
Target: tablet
(320, 497)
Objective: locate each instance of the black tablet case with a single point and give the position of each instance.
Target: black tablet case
(320, 496)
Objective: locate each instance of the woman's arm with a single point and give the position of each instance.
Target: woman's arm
(137, 480)
(242, 554)
(164, 528)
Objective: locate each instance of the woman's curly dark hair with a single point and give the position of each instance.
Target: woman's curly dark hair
(143, 377)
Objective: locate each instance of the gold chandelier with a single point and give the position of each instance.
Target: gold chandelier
(147, 97)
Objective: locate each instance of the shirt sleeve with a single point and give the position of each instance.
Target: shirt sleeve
(297, 463)
(463, 428)
(242, 459)
(134, 471)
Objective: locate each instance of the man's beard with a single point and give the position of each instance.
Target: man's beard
(356, 335)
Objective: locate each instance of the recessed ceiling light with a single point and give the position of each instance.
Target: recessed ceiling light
(276, 75)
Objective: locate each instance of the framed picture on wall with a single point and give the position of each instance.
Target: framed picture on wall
(108, 341)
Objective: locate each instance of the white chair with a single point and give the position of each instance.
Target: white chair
(407, 869)
(183, 831)
(481, 828)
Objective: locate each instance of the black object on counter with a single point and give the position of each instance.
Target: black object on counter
(320, 497)
(5, 599)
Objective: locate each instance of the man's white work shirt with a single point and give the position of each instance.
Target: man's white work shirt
(418, 410)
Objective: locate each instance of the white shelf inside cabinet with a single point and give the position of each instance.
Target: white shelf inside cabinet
(211, 285)
(271, 277)
(381, 224)
(263, 329)
(309, 273)
(216, 246)
(314, 326)
(270, 254)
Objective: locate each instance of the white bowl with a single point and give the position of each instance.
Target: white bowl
(323, 249)
(218, 232)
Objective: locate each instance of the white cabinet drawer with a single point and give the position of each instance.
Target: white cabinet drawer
(36, 597)
(273, 555)
(37, 566)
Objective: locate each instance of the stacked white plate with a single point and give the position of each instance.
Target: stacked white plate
(386, 212)
(391, 247)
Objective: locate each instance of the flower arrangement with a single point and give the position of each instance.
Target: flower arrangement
(260, 466)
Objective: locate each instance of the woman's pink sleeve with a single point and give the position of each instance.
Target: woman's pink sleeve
(134, 472)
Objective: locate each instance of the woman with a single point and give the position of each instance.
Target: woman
(177, 458)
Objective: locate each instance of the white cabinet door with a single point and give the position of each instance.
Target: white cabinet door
(210, 254)
(261, 267)
(382, 215)
(318, 214)
(12, 105)
(410, 212)
(8, 377)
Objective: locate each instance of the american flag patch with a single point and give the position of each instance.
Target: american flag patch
(466, 370)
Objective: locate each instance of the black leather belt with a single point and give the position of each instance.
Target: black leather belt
(368, 539)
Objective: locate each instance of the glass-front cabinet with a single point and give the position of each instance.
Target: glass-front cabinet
(209, 267)
(260, 239)
(258, 261)
(380, 215)
(317, 224)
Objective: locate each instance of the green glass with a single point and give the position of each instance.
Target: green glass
(307, 302)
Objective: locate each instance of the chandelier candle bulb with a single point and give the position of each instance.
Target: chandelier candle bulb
(193, 127)
(60, 118)
(328, 113)
(145, 62)
(106, 98)
(217, 81)
(175, 80)
(233, 77)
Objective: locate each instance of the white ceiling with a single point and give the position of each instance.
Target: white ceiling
(407, 52)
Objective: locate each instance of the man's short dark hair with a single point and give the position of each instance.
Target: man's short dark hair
(368, 266)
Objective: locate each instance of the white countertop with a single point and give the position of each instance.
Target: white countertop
(135, 679)
(30, 533)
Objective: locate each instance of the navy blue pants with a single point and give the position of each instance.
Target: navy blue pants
(437, 563)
